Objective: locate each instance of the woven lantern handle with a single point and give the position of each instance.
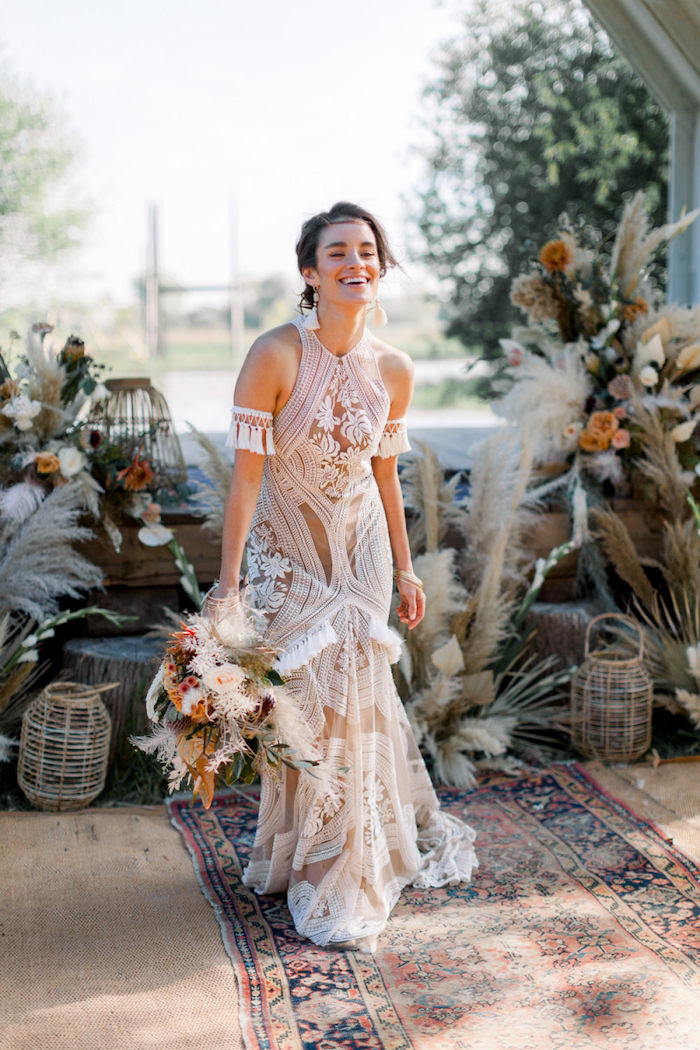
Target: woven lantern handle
(615, 616)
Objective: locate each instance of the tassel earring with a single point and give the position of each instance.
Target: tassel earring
(379, 315)
(311, 321)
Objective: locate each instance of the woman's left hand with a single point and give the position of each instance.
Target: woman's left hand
(411, 608)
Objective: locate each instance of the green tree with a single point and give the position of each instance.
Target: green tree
(39, 218)
(532, 114)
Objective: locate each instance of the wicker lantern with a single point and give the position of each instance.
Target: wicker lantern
(611, 699)
(138, 414)
(64, 746)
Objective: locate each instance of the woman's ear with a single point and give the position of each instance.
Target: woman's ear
(309, 274)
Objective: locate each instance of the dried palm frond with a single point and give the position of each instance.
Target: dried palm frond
(212, 498)
(669, 629)
(660, 463)
(548, 396)
(7, 747)
(619, 549)
(681, 551)
(690, 702)
(430, 498)
(37, 561)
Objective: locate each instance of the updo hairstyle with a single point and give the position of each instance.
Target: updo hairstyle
(343, 211)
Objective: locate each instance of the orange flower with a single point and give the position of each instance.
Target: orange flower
(136, 476)
(555, 256)
(598, 433)
(630, 311)
(47, 463)
(8, 390)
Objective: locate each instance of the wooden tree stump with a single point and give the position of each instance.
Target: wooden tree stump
(561, 630)
(131, 661)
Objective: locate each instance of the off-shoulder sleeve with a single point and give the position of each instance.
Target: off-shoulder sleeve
(251, 429)
(394, 439)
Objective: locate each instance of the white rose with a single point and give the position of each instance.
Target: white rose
(224, 680)
(649, 376)
(22, 411)
(71, 460)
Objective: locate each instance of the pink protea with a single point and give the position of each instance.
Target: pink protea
(620, 387)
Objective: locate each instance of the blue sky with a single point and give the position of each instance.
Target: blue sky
(285, 105)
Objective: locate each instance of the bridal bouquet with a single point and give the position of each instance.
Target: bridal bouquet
(219, 708)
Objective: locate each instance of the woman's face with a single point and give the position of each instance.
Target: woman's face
(347, 264)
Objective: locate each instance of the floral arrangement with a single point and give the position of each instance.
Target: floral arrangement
(598, 345)
(46, 440)
(219, 709)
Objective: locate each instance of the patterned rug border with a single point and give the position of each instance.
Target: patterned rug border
(265, 1005)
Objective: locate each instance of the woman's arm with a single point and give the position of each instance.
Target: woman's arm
(397, 372)
(268, 373)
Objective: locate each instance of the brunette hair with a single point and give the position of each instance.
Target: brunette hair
(307, 245)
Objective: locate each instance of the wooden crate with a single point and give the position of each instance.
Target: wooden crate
(643, 522)
(139, 566)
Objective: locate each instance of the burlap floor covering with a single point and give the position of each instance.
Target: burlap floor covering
(106, 940)
(108, 944)
(669, 795)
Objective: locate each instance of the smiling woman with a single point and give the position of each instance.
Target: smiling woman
(318, 425)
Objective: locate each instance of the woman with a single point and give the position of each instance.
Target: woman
(318, 425)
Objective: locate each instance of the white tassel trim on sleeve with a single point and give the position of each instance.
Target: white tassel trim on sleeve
(304, 650)
(245, 433)
(386, 636)
(394, 440)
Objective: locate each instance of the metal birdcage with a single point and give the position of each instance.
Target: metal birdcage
(136, 414)
(611, 701)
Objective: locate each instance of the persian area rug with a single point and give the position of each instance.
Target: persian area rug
(581, 928)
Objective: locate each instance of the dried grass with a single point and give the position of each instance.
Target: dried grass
(619, 549)
(660, 464)
(547, 397)
(430, 498)
(45, 386)
(681, 550)
(37, 561)
(212, 498)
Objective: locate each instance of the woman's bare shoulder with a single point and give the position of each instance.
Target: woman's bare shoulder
(392, 361)
(274, 345)
(270, 369)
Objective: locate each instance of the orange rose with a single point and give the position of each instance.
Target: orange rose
(555, 256)
(47, 463)
(599, 430)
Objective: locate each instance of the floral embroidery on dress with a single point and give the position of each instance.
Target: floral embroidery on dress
(269, 567)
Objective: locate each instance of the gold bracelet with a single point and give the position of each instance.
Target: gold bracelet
(408, 577)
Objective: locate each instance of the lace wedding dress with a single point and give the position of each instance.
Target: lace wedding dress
(320, 569)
